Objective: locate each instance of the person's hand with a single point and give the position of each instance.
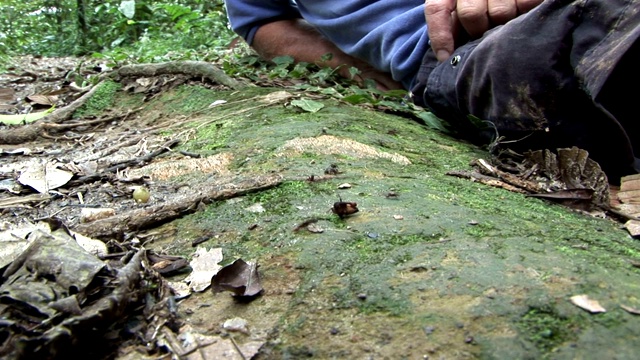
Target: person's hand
(446, 17)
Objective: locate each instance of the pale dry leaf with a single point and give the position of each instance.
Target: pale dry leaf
(43, 99)
(205, 266)
(630, 310)
(583, 302)
(92, 246)
(633, 227)
(45, 177)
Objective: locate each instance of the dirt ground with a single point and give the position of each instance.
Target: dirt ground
(431, 266)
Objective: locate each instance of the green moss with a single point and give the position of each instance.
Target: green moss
(102, 99)
(546, 329)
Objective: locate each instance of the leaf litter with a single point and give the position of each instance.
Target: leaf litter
(63, 293)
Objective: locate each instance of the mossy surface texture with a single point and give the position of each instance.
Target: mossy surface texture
(431, 265)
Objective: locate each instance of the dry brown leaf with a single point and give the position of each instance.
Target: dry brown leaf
(240, 277)
(43, 99)
(7, 95)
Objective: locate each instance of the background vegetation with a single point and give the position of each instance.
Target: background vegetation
(145, 31)
(142, 29)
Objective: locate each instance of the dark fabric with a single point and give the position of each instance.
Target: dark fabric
(560, 76)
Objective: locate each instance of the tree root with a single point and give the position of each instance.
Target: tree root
(31, 132)
(193, 68)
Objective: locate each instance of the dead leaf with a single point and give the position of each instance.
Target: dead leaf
(633, 227)
(43, 99)
(205, 266)
(7, 95)
(583, 302)
(240, 277)
(45, 177)
(630, 310)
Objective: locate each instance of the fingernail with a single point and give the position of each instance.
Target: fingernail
(442, 55)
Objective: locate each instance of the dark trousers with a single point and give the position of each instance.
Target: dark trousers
(565, 74)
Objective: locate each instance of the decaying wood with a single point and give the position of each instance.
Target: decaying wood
(194, 68)
(137, 219)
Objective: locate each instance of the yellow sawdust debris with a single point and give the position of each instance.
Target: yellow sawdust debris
(328, 144)
(216, 164)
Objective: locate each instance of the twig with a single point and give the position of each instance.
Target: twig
(235, 345)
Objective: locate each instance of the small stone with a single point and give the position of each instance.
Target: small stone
(398, 217)
(429, 330)
(314, 228)
(236, 324)
(344, 186)
(362, 296)
(256, 208)
(372, 235)
(459, 325)
(468, 339)
(473, 222)
(332, 170)
(334, 331)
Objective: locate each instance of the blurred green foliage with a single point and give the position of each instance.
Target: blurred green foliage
(139, 28)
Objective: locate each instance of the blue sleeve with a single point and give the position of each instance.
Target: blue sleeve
(246, 16)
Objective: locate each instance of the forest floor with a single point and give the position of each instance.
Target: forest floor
(430, 266)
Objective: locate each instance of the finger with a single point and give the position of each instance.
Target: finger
(440, 26)
(526, 5)
(474, 17)
(501, 11)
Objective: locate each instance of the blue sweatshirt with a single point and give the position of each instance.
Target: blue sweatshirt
(391, 35)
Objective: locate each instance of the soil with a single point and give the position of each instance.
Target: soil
(431, 266)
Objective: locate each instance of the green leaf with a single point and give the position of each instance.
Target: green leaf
(479, 123)
(283, 60)
(357, 99)
(308, 105)
(326, 57)
(353, 71)
(20, 119)
(433, 121)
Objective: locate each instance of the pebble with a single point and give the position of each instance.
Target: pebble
(236, 324)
